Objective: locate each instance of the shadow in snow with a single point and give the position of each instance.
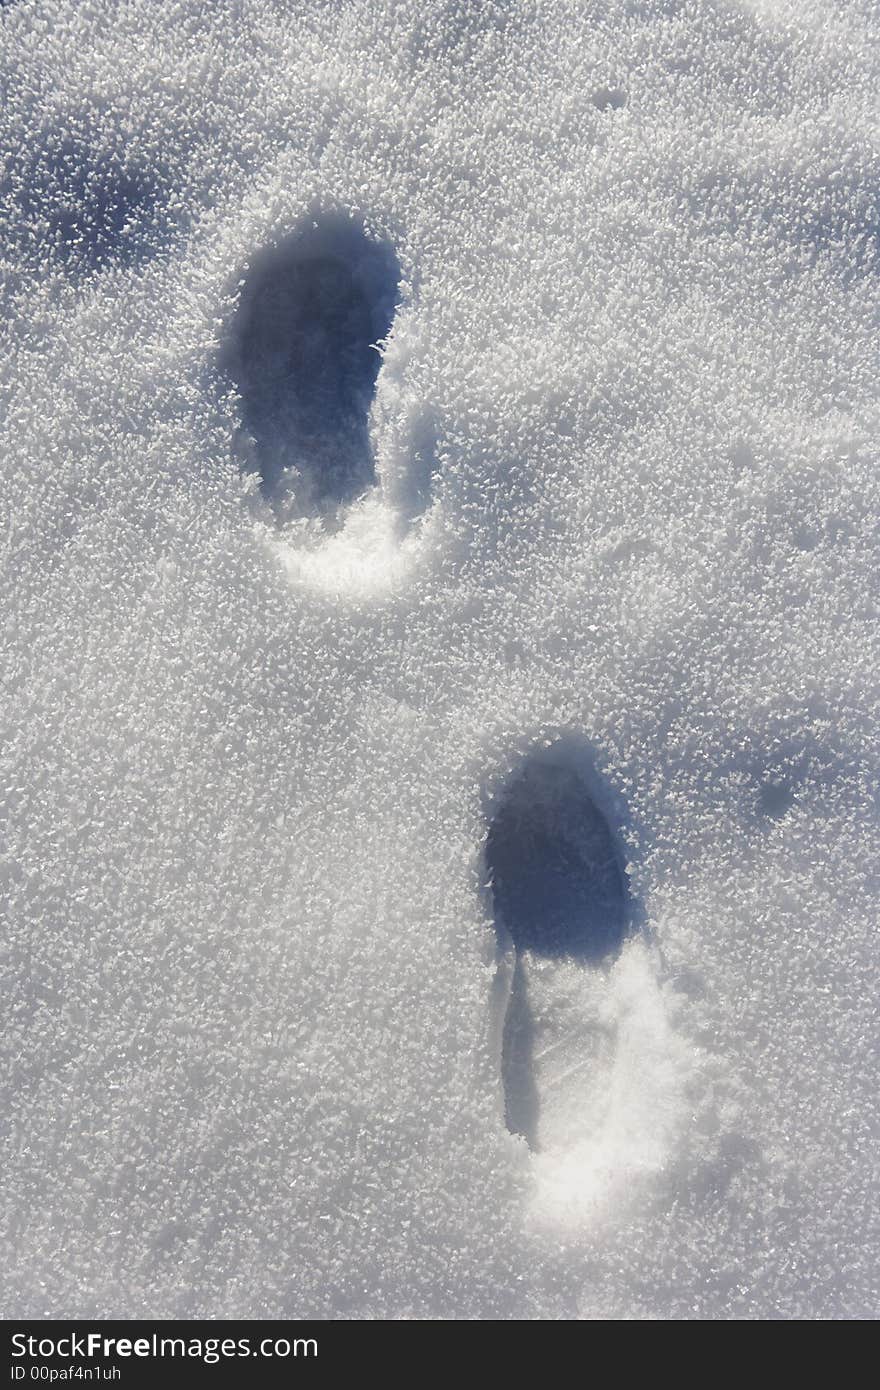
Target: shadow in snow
(304, 354)
(560, 891)
(84, 207)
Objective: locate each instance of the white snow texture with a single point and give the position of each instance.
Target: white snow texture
(272, 663)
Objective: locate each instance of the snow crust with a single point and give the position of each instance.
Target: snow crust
(624, 442)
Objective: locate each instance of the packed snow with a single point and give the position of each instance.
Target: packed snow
(440, 665)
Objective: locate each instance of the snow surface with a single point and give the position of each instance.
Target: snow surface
(624, 442)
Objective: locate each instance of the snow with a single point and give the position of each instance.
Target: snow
(258, 726)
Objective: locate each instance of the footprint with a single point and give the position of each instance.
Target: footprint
(563, 909)
(304, 354)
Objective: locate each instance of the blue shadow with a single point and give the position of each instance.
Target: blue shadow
(560, 890)
(88, 209)
(304, 358)
(558, 878)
